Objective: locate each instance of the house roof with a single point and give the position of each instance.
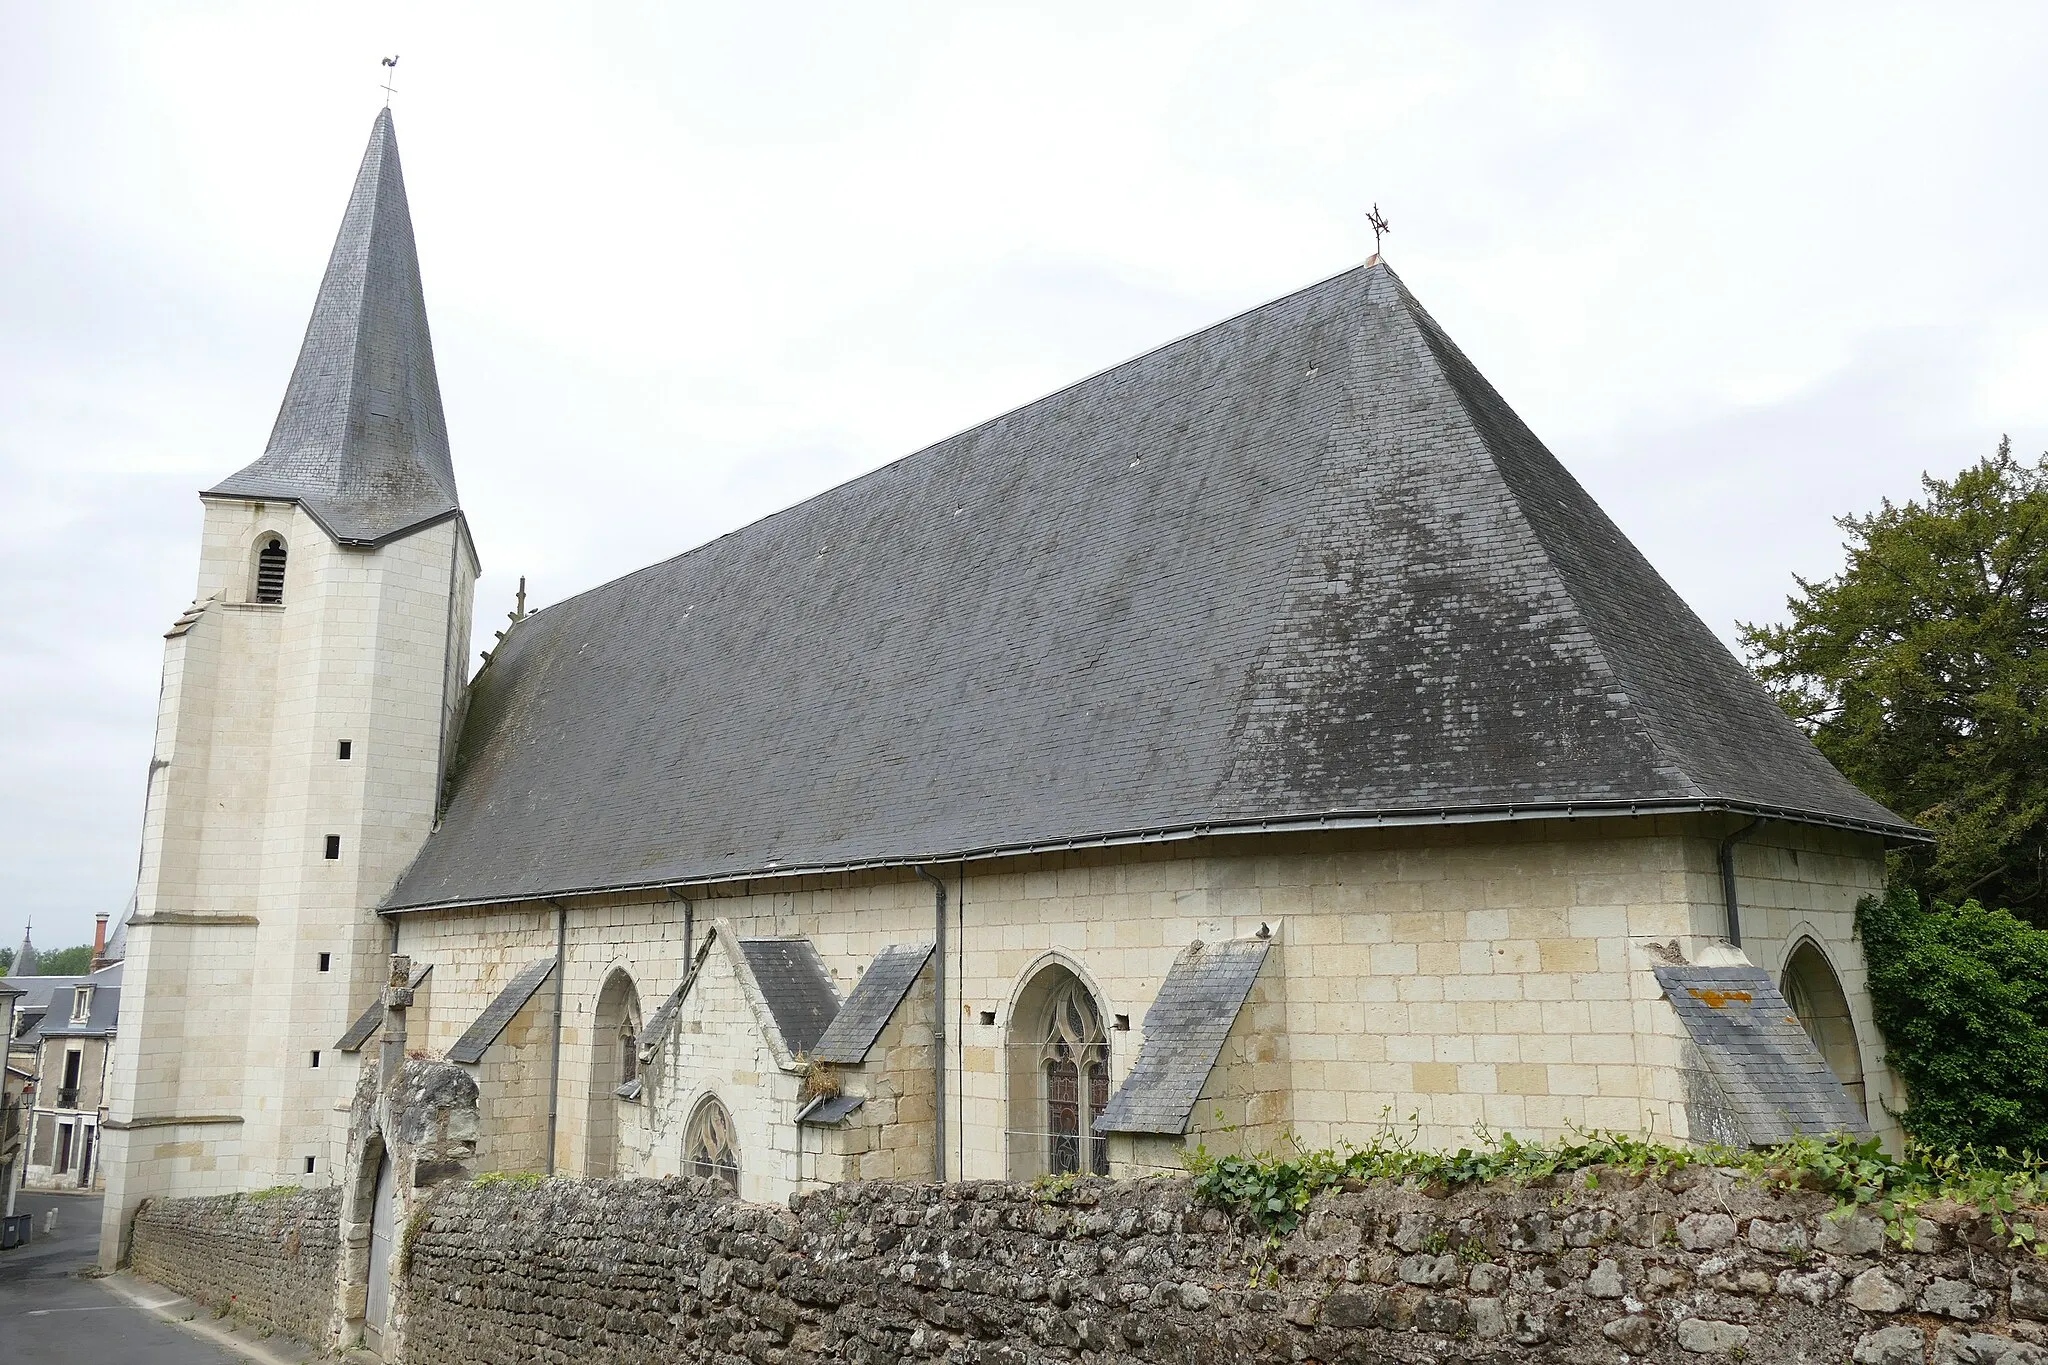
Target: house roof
(796, 987)
(1304, 568)
(1184, 1033)
(360, 440)
(55, 1021)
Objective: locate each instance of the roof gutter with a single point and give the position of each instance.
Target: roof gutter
(1283, 824)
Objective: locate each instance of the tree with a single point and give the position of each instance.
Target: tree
(65, 961)
(6, 961)
(1920, 671)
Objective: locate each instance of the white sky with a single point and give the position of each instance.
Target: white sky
(1744, 267)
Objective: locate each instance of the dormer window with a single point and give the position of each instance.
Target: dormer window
(270, 570)
(81, 1003)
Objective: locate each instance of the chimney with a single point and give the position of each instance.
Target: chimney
(99, 941)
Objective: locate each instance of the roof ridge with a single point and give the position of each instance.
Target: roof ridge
(1440, 342)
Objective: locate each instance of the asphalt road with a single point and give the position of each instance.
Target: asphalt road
(48, 1314)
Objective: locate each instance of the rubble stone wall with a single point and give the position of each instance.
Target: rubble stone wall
(269, 1260)
(1699, 1265)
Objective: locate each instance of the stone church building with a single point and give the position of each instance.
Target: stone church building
(1265, 736)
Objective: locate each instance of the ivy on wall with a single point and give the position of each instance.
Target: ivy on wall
(1961, 993)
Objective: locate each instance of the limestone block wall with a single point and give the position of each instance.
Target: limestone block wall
(1445, 977)
(270, 1260)
(1698, 1265)
(890, 1136)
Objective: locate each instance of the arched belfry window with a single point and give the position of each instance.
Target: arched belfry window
(1059, 1078)
(270, 569)
(709, 1149)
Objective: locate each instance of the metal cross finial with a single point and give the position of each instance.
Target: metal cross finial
(390, 74)
(519, 613)
(1379, 227)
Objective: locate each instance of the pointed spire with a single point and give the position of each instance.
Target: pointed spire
(360, 440)
(25, 960)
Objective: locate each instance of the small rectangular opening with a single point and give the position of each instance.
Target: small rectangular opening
(346, 747)
(334, 845)
(309, 1165)
(988, 1018)
(1123, 1023)
(326, 961)
(316, 1057)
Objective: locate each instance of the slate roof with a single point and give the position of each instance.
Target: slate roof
(360, 441)
(1771, 1084)
(829, 1111)
(868, 1008)
(796, 987)
(1302, 569)
(478, 1037)
(47, 1000)
(372, 1017)
(1184, 1033)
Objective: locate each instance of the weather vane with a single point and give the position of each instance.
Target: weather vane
(1379, 224)
(390, 74)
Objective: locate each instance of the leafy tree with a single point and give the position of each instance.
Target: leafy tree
(6, 961)
(1920, 670)
(1961, 993)
(65, 961)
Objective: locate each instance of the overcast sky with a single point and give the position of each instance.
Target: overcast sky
(1743, 267)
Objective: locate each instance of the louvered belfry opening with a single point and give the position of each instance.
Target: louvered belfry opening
(270, 571)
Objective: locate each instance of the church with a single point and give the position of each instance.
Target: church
(1265, 739)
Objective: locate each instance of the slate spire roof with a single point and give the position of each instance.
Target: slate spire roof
(1303, 569)
(360, 441)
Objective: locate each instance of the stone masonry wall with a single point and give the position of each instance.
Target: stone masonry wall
(270, 1260)
(1699, 1266)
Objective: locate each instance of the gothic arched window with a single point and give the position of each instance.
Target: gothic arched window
(709, 1149)
(1059, 1078)
(270, 570)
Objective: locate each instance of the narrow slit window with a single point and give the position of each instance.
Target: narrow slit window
(309, 1165)
(326, 961)
(316, 1059)
(347, 747)
(334, 845)
(270, 571)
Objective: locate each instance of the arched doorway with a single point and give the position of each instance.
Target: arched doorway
(614, 1061)
(370, 1215)
(1815, 994)
(1059, 1078)
(709, 1148)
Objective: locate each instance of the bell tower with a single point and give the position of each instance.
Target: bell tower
(309, 701)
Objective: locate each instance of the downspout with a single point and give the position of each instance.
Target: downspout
(938, 1028)
(555, 1053)
(1728, 878)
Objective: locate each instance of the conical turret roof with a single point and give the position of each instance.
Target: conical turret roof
(360, 440)
(25, 958)
(1302, 570)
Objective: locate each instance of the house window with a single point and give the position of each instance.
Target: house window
(708, 1148)
(270, 570)
(333, 846)
(81, 1004)
(63, 1148)
(67, 1094)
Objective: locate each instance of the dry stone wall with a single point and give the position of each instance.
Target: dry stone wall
(269, 1260)
(1697, 1266)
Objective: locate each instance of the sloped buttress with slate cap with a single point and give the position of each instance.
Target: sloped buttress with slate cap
(1302, 569)
(360, 441)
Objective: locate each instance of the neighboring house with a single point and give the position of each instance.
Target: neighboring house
(1264, 738)
(65, 1027)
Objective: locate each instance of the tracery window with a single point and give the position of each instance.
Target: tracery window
(709, 1149)
(1075, 1061)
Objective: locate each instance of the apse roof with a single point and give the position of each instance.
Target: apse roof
(1302, 569)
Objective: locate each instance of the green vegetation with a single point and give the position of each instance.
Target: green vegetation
(1275, 1191)
(1921, 670)
(65, 961)
(1961, 993)
(270, 1192)
(518, 1180)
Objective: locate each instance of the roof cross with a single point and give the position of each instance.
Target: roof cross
(1379, 227)
(390, 74)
